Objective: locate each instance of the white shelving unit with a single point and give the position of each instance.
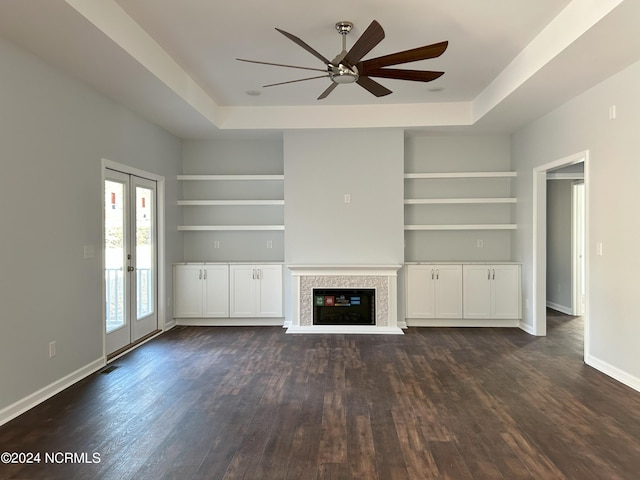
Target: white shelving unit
(488, 201)
(230, 202)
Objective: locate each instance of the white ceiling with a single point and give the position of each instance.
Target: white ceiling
(174, 61)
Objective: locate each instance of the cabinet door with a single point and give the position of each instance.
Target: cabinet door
(242, 283)
(448, 291)
(216, 291)
(420, 291)
(187, 291)
(505, 292)
(269, 291)
(477, 291)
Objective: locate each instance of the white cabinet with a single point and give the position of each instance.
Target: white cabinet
(255, 290)
(434, 291)
(201, 291)
(492, 291)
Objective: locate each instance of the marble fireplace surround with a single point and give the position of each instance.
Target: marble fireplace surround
(383, 278)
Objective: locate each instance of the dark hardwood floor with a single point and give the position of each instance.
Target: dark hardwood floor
(255, 403)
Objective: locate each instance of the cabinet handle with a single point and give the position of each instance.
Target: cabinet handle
(200, 275)
(488, 274)
(258, 274)
(253, 276)
(432, 277)
(437, 274)
(494, 274)
(205, 274)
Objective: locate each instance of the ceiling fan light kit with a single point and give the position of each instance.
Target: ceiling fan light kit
(348, 67)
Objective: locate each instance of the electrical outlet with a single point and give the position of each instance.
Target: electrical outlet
(269, 243)
(52, 349)
(347, 198)
(216, 244)
(480, 244)
(612, 112)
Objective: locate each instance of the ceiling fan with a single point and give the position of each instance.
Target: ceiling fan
(348, 67)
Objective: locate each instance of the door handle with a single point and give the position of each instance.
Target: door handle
(130, 268)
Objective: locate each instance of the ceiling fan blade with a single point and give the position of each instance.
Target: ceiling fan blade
(301, 43)
(413, 55)
(399, 74)
(373, 86)
(294, 81)
(329, 89)
(282, 65)
(371, 37)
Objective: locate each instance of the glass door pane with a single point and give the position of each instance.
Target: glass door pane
(145, 252)
(115, 254)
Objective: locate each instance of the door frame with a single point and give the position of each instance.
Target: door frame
(578, 251)
(539, 284)
(160, 225)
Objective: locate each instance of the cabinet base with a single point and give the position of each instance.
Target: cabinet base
(230, 322)
(461, 322)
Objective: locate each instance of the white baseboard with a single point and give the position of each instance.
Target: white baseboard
(460, 322)
(613, 372)
(169, 325)
(527, 328)
(560, 308)
(30, 401)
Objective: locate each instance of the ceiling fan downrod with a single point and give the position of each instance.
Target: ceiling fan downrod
(339, 72)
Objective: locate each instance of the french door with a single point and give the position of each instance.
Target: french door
(130, 255)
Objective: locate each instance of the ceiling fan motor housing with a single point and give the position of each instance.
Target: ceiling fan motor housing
(342, 74)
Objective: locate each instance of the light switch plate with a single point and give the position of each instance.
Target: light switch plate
(89, 251)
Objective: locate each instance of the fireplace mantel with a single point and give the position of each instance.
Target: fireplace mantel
(381, 277)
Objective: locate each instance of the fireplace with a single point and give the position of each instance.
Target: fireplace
(344, 306)
(309, 281)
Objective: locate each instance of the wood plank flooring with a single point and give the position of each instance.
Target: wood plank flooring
(254, 403)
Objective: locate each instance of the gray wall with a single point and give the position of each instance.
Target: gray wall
(233, 157)
(320, 168)
(458, 153)
(54, 132)
(612, 210)
(559, 272)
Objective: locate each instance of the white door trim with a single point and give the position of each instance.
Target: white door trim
(160, 193)
(540, 241)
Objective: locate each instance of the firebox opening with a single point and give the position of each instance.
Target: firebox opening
(344, 306)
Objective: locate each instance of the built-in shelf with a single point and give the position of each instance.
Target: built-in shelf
(432, 201)
(230, 228)
(495, 226)
(229, 202)
(230, 177)
(460, 175)
(461, 200)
